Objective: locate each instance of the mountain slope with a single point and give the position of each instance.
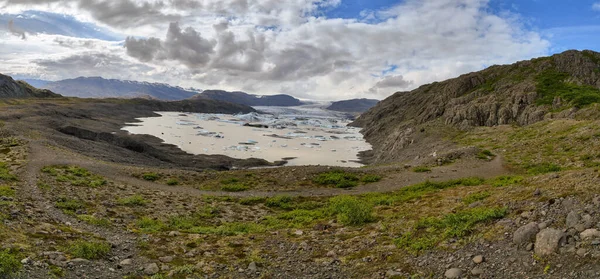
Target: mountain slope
(9, 88)
(523, 93)
(249, 99)
(354, 105)
(97, 87)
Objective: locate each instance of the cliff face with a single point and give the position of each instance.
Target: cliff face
(523, 93)
(354, 105)
(9, 88)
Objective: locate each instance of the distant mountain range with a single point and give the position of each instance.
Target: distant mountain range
(243, 98)
(10, 88)
(354, 105)
(97, 87)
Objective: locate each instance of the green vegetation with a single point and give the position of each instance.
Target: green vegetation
(351, 211)
(76, 176)
(282, 202)
(252, 200)
(551, 84)
(150, 176)
(7, 191)
(5, 174)
(90, 250)
(476, 197)
(135, 200)
(431, 231)
(56, 272)
(9, 263)
(90, 219)
(370, 178)
(542, 168)
(485, 154)
(236, 187)
(421, 169)
(149, 225)
(506, 180)
(337, 178)
(172, 182)
(69, 206)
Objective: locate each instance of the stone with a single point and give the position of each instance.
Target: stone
(453, 273)
(392, 273)
(537, 192)
(548, 241)
(173, 233)
(581, 252)
(166, 259)
(476, 271)
(25, 261)
(526, 233)
(572, 219)
(151, 269)
(126, 262)
(252, 267)
(542, 225)
(529, 247)
(478, 259)
(298, 232)
(78, 260)
(590, 234)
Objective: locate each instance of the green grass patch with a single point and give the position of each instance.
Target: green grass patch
(149, 225)
(431, 231)
(479, 196)
(337, 178)
(235, 187)
(551, 84)
(74, 175)
(283, 202)
(89, 250)
(351, 210)
(150, 176)
(10, 265)
(229, 229)
(485, 155)
(102, 222)
(5, 174)
(506, 180)
(69, 205)
(421, 169)
(7, 191)
(542, 168)
(172, 182)
(370, 178)
(135, 200)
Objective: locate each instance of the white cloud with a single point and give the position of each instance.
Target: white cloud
(596, 6)
(270, 47)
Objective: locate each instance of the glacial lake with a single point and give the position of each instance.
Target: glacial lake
(301, 135)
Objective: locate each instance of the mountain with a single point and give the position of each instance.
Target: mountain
(563, 85)
(9, 88)
(251, 100)
(354, 105)
(37, 83)
(97, 87)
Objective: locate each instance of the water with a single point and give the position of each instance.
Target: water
(309, 135)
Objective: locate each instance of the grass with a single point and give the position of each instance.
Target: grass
(172, 182)
(7, 191)
(479, 196)
(69, 205)
(252, 200)
(135, 200)
(552, 84)
(421, 169)
(149, 225)
(485, 155)
(283, 202)
(9, 264)
(5, 174)
(74, 175)
(337, 178)
(236, 187)
(150, 176)
(89, 250)
(506, 180)
(370, 178)
(102, 222)
(351, 211)
(542, 168)
(431, 231)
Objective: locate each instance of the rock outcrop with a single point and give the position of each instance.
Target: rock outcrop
(521, 94)
(9, 88)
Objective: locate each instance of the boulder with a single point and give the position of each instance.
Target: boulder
(453, 273)
(548, 241)
(526, 233)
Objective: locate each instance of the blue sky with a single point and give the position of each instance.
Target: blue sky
(315, 49)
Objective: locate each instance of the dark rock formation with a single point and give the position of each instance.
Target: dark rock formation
(354, 105)
(238, 97)
(9, 88)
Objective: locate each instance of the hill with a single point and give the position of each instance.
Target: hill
(405, 124)
(251, 100)
(9, 88)
(97, 87)
(354, 105)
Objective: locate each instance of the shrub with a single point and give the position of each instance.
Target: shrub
(421, 169)
(279, 201)
(150, 176)
(90, 250)
(172, 182)
(9, 264)
(237, 187)
(135, 200)
(370, 178)
(338, 178)
(350, 210)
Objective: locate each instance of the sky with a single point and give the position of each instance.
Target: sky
(313, 49)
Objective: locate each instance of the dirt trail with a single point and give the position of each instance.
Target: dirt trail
(41, 155)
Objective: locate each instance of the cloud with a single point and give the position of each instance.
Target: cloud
(15, 30)
(390, 83)
(596, 6)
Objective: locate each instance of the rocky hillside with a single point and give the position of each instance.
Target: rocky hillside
(522, 93)
(9, 88)
(97, 87)
(354, 105)
(251, 100)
